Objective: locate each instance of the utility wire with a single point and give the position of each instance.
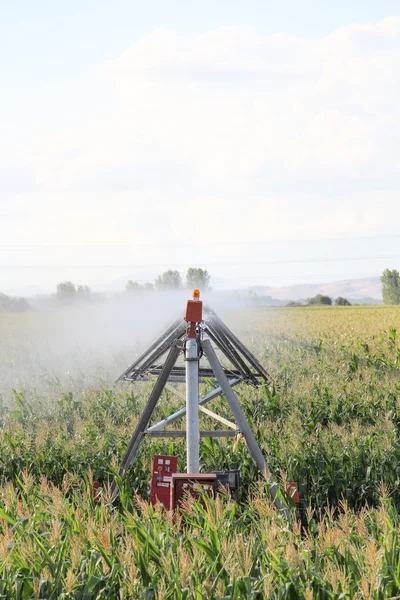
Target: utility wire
(205, 263)
(195, 244)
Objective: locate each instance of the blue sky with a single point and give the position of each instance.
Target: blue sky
(136, 135)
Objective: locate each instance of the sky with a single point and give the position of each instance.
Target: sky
(256, 139)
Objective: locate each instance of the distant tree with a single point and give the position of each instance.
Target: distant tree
(133, 286)
(253, 297)
(198, 278)
(149, 287)
(319, 299)
(170, 280)
(66, 292)
(10, 304)
(390, 286)
(83, 292)
(294, 304)
(340, 301)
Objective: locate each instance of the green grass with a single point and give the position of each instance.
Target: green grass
(331, 422)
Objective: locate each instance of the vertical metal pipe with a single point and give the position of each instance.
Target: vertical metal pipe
(192, 406)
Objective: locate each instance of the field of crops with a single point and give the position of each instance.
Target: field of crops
(331, 422)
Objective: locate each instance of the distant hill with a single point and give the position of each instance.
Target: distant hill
(367, 290)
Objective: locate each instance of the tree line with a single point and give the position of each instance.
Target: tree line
(172, 280)
(11, 304)
(322, 300)
(198, 278)
(68, 293)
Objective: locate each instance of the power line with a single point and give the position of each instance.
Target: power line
(206, 264)
(61, 246)
(195, 244)
(256, 278)
(69, 246)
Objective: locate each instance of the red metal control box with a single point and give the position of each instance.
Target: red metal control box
(193, 484)
(194, 311)
(293, 491)
(163, 469)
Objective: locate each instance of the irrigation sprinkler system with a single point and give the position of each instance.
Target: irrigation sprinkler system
(199, 339)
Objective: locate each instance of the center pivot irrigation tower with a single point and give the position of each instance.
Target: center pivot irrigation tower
(194, 337)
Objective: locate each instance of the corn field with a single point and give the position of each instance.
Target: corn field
(331, 422)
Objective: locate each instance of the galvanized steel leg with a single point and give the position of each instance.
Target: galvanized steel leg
(244, 427)
(134, 444)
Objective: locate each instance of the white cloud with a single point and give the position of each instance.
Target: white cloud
(232, 117)
(232, 103)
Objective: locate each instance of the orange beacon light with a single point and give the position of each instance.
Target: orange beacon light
(194, 311)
